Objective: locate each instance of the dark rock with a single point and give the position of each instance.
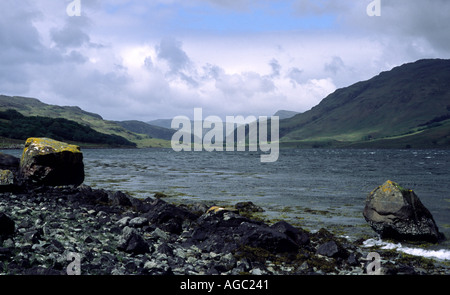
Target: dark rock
(262, 236)
(406, 270)
(224, 231)
(138, 222)
(98, 195)
(120, 199)
(217, 232)
(132, 242)
(199, 208)
(352, 259)
(57, 245)
(49, 162)
(34, 236)
(226, 262)
(397, 213)
(7, 225)
(300, 237)
(168, 217)
(248, 207)
(332, 249)
(166, 249)
(5, 253)
(90, 239)
(141, 206)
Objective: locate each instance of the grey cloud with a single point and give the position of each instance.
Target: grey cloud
(76, 57)
(15, 81)
(400, 20)
(189, 80)
(148, 63)
(403, 22)
(89, 87)
(423, 19)
(276, 68)
(72, 35)
(170, 50)
(21, 47)
(295, 76)
(335, 65)
(19, 38)
(179, 62)
(212, 71)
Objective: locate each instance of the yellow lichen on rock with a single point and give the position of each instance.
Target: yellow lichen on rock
(388, 186)
(215, 209)
(54, 146)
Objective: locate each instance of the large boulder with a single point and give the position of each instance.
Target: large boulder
(49, 162)
(397, 213)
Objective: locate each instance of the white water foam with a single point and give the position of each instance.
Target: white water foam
(442, 254)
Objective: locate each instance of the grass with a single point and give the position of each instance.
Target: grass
(423, 138)
(152, 143)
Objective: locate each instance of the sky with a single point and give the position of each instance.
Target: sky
(157, 59)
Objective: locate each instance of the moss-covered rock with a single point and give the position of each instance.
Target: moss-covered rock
(397, 213)
(49, 162)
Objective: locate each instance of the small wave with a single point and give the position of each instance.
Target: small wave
(442, 254)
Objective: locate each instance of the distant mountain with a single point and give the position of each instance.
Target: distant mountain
(33, 107)
(408, 106)
(283, 114)
(147, 129)
(165, 123)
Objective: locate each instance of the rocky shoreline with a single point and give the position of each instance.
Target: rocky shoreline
(43, 228)
(53, 224)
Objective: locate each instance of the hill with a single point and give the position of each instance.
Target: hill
(408, 106)
(165, 123)
(145, 128)
(14, 125)
(33, 107)
(284, 114)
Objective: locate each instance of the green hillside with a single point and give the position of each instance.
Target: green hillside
(408, 106)
(152, 131)
(14, 125)
(33, 107)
